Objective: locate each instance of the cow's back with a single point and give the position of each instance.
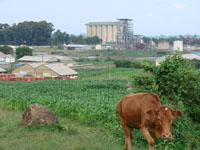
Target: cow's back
(133, 108)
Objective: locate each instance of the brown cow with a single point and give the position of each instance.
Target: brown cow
(144, 111)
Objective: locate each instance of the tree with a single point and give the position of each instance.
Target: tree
(60, 38)
(93, 40)
(23, 51)
(77, 39)
(6, 50)
(27, 32)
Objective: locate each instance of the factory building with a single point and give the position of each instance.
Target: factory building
(107, 31)
(120, 32)
(178, 45)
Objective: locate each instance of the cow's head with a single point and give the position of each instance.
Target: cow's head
(162, 119)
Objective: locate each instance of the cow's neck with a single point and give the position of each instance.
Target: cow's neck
(155, 131)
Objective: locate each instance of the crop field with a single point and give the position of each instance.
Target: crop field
(119, 53)
(92, 102)
(107, 73)
(105, 53)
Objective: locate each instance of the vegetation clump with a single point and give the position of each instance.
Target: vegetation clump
(23, 51)
(6, 49)
(174, 79)
(178, 85)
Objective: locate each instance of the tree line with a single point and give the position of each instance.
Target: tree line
(39, 33)
(62, 37)
(26, 33)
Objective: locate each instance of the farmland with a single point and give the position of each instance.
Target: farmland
(107, 73)
(119, 53)
(92, 102)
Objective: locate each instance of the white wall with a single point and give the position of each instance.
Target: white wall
(178, 46)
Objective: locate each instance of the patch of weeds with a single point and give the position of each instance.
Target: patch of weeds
(70, 130)
(1, 148)
(10, 129)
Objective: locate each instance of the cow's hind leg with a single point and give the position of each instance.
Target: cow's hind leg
(127, 133)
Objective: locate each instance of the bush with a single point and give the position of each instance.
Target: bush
(23, 51)
(143, 83)
(6, 50)
(195, 63)
(127, 64)
(174, 79)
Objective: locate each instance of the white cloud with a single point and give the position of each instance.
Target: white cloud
(179, 7)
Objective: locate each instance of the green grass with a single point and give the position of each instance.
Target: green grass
(76, 137)
(107, 73)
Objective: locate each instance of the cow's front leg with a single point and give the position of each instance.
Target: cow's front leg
(148, 137)
(127, 133)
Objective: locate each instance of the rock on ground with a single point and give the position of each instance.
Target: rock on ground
(38, 114)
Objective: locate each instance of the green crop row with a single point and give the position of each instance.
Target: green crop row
(92, 102)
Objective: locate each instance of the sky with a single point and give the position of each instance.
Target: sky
(150, 17)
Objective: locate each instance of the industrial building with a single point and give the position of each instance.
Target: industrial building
(47, 59)
(163, 45)
(178, 45)
(120, 32)
(107, 31)
(45, 70)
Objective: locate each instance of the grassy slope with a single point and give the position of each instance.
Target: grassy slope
(77, 137)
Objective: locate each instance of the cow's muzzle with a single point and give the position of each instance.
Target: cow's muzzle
(166, 135)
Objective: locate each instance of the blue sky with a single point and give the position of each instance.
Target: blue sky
(151, 17)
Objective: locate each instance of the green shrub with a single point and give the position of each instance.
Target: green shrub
(6, 50)
(23, 51)
(195, 63)
(127, 64)
(175, 79)
(143, 83)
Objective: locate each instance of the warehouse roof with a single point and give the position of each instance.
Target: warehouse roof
(61, 69)
(2, 54)
(101, 23)
(2, 70)
(5, 56)
(63, 57)
(35, 65)
(38, 58)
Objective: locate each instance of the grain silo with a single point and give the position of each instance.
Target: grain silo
(107, 31)
(120, 32)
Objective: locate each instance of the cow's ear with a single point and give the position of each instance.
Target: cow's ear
(177, 113)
